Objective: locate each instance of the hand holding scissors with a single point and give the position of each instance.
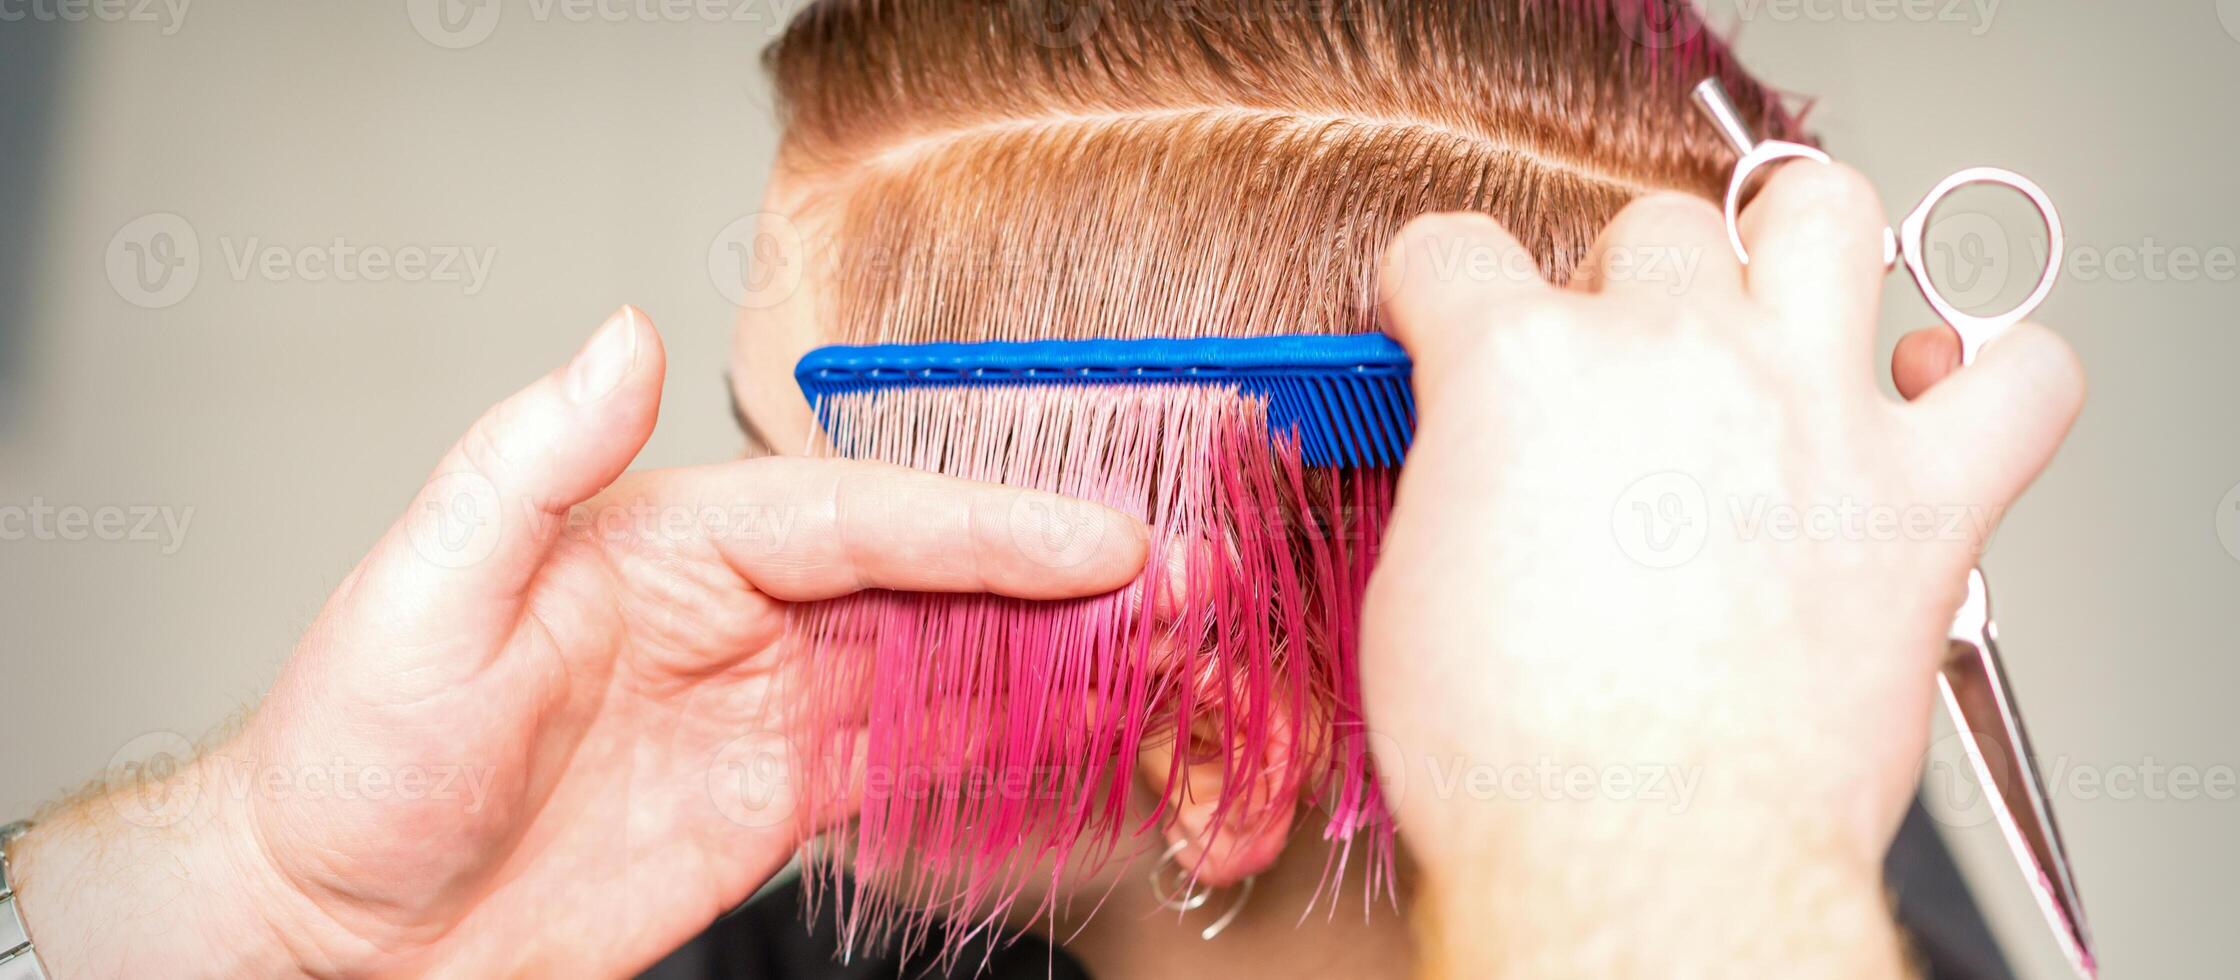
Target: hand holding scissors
(1973, 681)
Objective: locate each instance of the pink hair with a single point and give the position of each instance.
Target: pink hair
(1002, 735)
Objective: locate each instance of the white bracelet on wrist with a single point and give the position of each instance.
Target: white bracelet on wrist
(18, 961)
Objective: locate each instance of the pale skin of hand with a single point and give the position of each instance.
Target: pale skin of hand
(598, 655)
(1793, 676)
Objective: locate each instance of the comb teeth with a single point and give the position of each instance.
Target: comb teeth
(1347, 397)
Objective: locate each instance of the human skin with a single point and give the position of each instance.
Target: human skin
(600, 677)
(1792, 675)
(1130, 935)
(1130, 938)
(591, 649)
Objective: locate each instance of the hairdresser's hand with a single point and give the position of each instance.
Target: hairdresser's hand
(1664, 538)
(538, 715)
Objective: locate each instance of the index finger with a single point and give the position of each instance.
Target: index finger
(1815, 236)
(836, 526)
(1444, 277)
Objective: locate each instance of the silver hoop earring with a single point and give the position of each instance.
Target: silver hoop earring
(1175, 888)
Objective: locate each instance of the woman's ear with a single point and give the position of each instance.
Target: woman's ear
(1232, 813)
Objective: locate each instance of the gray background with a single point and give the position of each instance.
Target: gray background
(600, 162)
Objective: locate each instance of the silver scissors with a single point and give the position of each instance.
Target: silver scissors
(1973, 681)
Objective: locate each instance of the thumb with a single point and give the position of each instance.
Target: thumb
(475, 535)
(1999, 419)
(1923, 358)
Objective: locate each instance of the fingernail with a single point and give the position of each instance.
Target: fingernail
(606, 360)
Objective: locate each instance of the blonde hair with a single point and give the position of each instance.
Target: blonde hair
(1168, 168)
(1205, 167)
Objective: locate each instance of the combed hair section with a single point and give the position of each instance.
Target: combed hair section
(983, 740)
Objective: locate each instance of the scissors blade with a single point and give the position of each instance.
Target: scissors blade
(1974, 683)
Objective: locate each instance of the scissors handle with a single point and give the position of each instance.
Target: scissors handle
(1973, 679)
(1975, 331)
(1908, 240)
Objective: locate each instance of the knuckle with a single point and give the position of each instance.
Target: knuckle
(1667, 213)
(1833, 186)
(1532, 327)
(2054, 359)
(480, 448)
(692, 603)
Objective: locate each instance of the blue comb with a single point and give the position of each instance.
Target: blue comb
(1347, 397)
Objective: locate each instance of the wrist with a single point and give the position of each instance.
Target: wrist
(1626, 889)
(150, 875)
